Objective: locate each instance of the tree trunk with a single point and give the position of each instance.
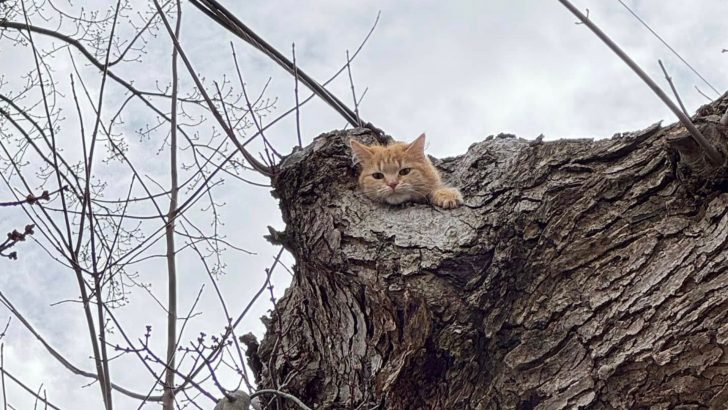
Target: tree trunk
(580, 273)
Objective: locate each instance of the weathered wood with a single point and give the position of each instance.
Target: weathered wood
(581, 273)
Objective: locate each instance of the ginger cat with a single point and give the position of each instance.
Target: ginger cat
(401, 172)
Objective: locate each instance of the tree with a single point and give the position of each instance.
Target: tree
(76, 163)
(558, 285)
(107, 212)
(580, 273)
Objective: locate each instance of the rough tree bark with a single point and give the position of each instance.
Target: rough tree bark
(581, 273)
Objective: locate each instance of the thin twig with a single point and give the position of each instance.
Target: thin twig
(710, 151)
(13, 238)
(28, 389)
(32, 199)
(50, 126)
(672, 86)
(37, 396)
(295, 91)
(2, 376)
(353, 89)
(142, 95)
(215, 380)
(236, 343)
(703, 94)
(361, 98)
(279, 337)
(587, 16)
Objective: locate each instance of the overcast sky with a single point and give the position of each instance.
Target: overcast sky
(459, 71)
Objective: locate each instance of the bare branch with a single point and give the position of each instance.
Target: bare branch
(13, 238)
(295, 91)
(672, 86)
(353, 90)
(710, 151)
(703, 94)
(32, 199)
(28, 389)
(2, 376)
(168, 401)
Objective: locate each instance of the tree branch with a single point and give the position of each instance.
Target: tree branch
(230, 133)
(712, 154)
(674, 90)
(168, 402)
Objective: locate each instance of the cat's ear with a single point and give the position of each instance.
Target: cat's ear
(417, 146)
(361, 152)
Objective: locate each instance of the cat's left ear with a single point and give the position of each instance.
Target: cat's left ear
(361, 152)
(417, 146)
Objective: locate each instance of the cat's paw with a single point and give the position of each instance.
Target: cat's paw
(447, 198)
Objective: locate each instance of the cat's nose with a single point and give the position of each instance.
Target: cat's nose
(392, 184)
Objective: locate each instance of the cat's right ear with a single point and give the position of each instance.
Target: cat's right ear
(361, 152)
(417, 146)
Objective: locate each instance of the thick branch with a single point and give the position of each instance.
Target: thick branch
(579, 274)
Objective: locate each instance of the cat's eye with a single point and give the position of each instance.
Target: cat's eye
(377, 175)
(404, 171)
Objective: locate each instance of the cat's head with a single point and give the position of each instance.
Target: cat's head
(395, 173)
